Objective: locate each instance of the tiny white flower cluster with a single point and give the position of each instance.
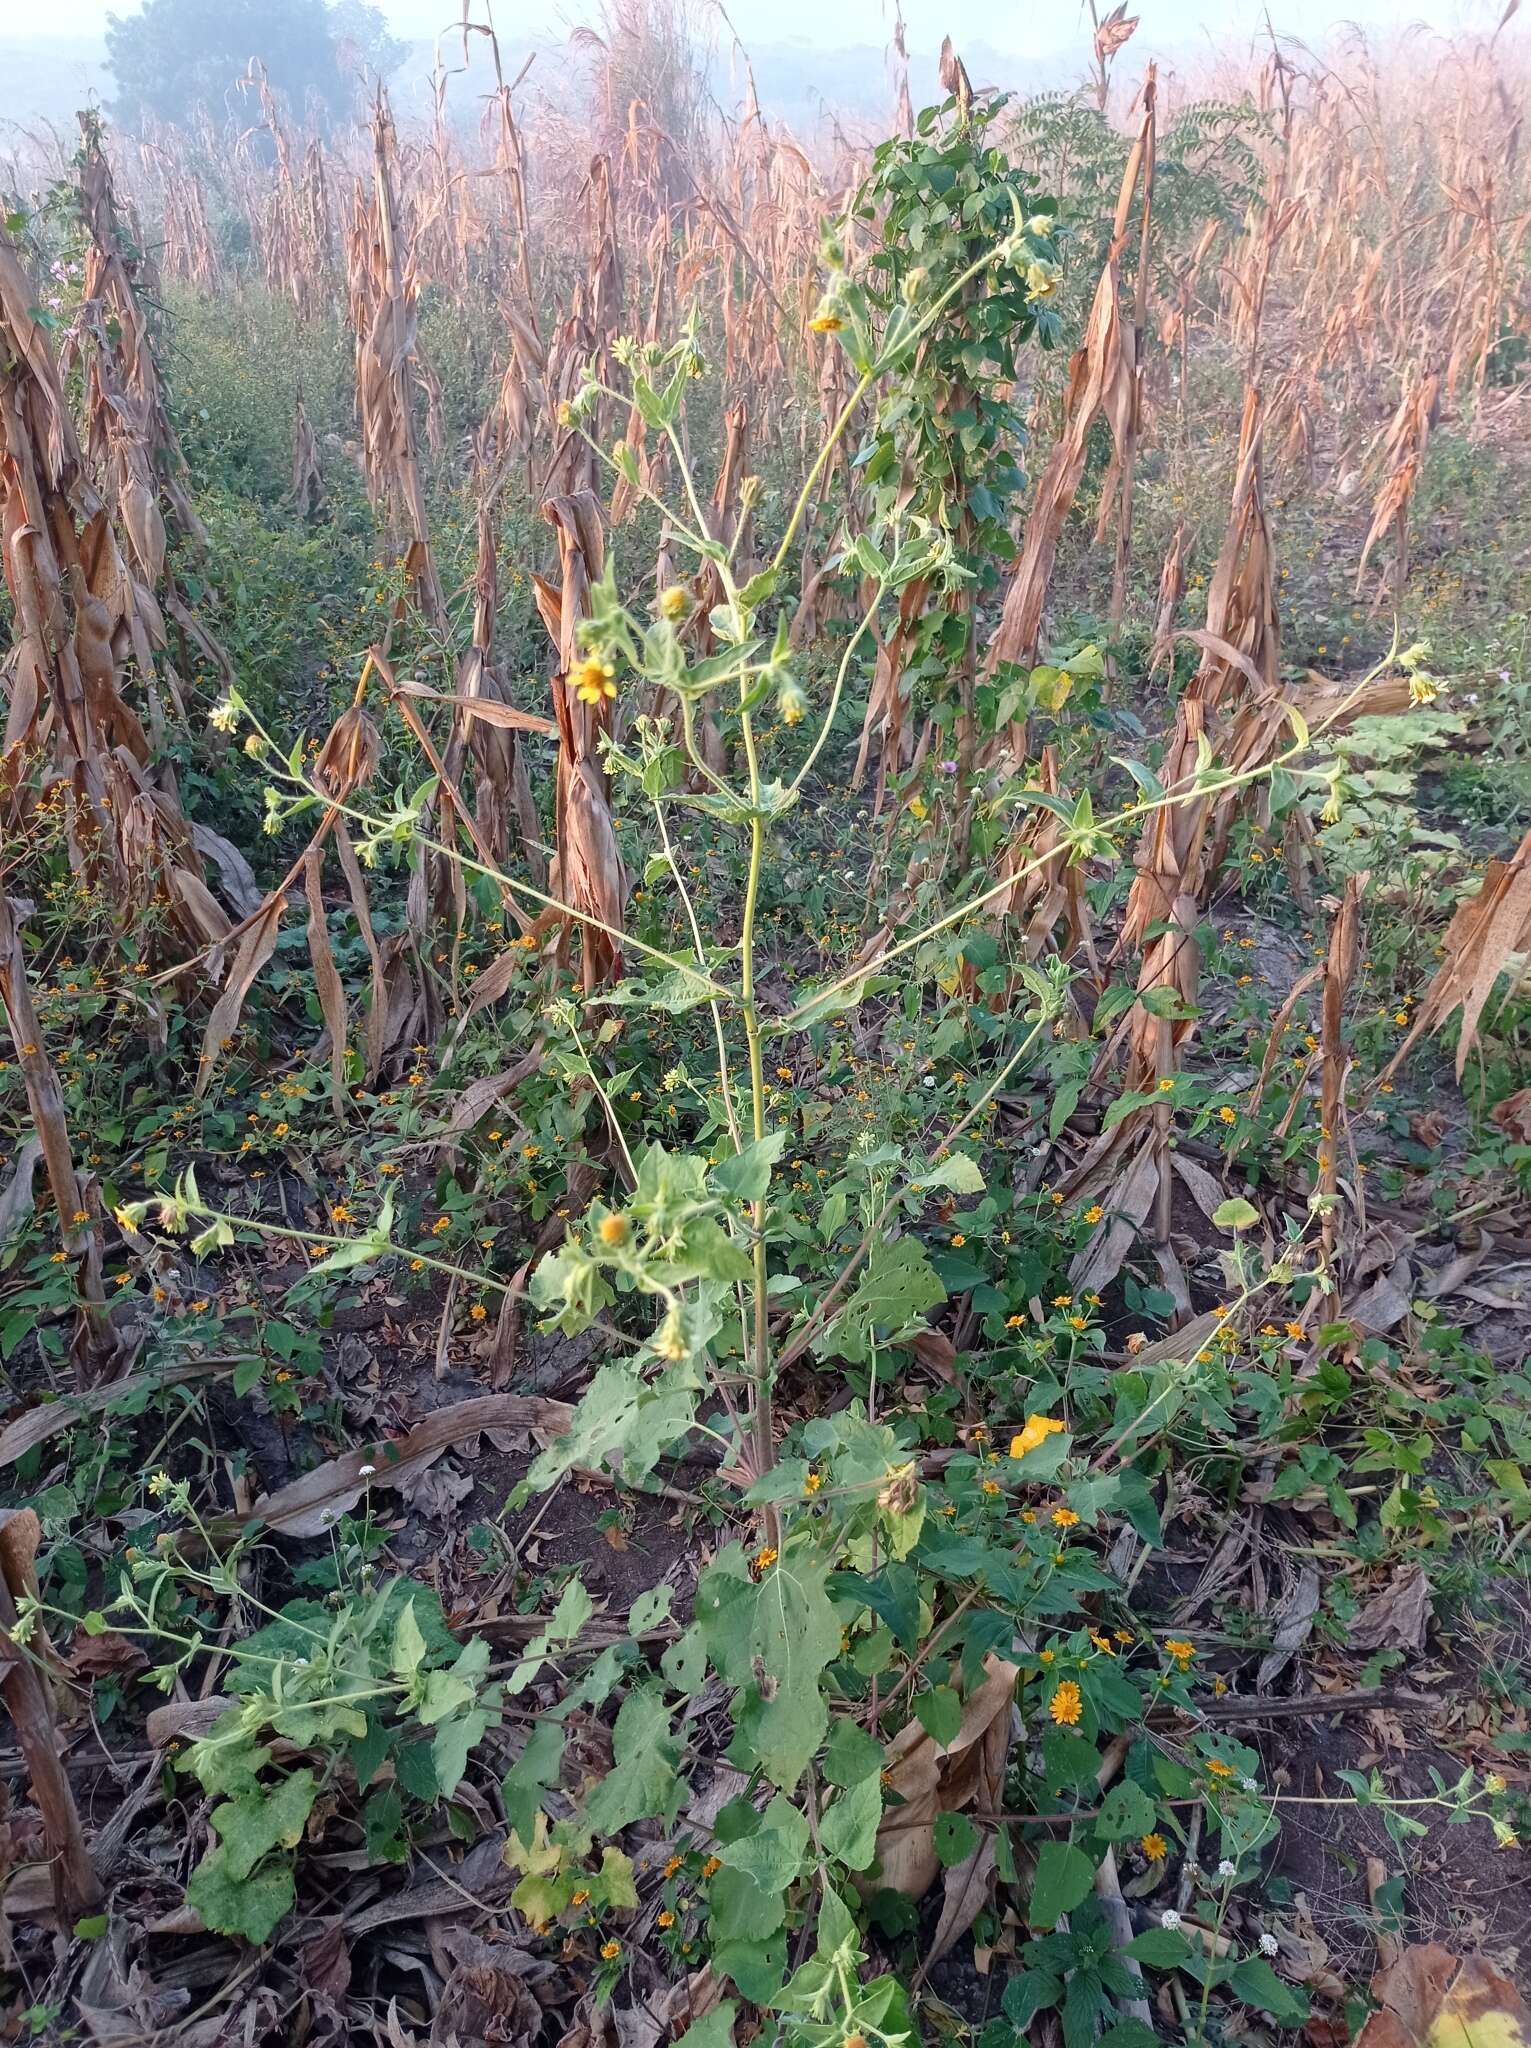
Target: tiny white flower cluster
(1227, 1868)
(1169, 1920)
(1269, 1945)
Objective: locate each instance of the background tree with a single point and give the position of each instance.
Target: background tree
(180, 54)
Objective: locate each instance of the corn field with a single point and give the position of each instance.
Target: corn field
(765, 1164)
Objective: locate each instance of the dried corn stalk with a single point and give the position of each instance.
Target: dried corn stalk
(1042, 894)
(383, 294)
(78, 624)
(1484, 940)
(96, 1349)
(1404, 452)
(587, 871)
(130, 438)
(1102, 379)
(1340, 965)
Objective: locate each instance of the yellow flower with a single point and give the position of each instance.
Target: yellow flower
(1180, 1650)
(674, 602)
(1079, 1322)
(1155, 1848)
(1218, 1768)
(1064, 1518)
(990, 1486)
(1094, 1213)
(919, 808)
(579, 1898)
(1066, 1704)
(712, 1866)
(613, 1229)
(592, 680)
(958, 1239)
(1034, 1432)
(1228, 1114)
(1014, 1323)
(813, 1482)
(763, 1560)
(825, 323)
(610, 1950)
(666, 1918)
(1166, 1083)
(674, 1865)
(478, 1312)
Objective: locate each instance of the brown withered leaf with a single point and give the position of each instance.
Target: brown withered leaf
(932, 1781)
(312, 1504)
(1430, 1998)
(1397, 1617)
(107, 1655)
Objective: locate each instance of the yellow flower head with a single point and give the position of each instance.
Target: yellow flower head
(1064, 1518)
(1033, 1433)
(1066, 1704)
(592, 680)
(1154, 1847)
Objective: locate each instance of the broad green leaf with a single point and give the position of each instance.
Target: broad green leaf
(1125, 1810)
(1162, 1948)
(1235, 1214)
(713, 2030)
(784, 1627)
(939, 1713)
(848, 1826)
(851, 1753)
(408, 1644)
(747, 1175)
(1256, 1983)
(250, 1905)
(649, 1609)
(532, 1774)
(955, 1838)
(1065, 1878)
(895, 1288)
(772, 1853)
(956, 1171)
(255, 1823)
(642, 1781)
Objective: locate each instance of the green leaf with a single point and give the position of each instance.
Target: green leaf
(848, 1828)
(255, 1823)
(532, 1774)
(1162, 1948)
(785, 1627)
(772, 1853)
(1125, 1810)
(1235, 1214)
(897, 1285)
(747, 1175)
(408, 1644)
(956, 1171)
(250, 1906)
(713, 2030)
(1065, 1878)
(1256, 1983)
(649, 1609)
(91, 1928)
(642, 1781)
(851, 1754)
(939, 1713)
(954, 1838)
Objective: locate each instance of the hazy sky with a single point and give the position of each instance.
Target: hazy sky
(1024, 29)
